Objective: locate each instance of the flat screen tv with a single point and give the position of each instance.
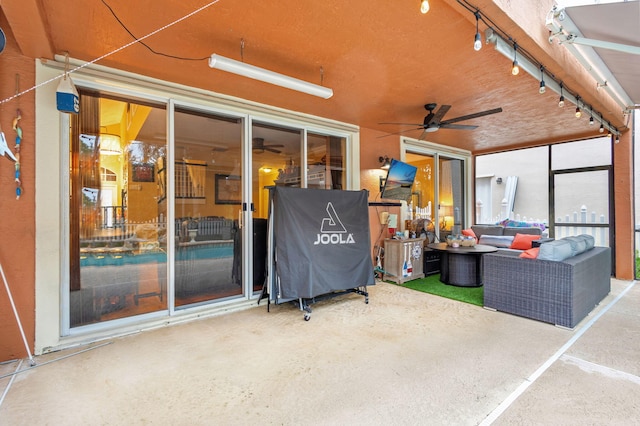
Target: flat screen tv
(399, 181)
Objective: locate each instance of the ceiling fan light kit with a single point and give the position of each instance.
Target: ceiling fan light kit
(240, 68)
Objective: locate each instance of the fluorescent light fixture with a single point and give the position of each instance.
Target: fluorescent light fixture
(261, 74)
(525, 64)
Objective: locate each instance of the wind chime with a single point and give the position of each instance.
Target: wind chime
(4, 147)
(18, 131)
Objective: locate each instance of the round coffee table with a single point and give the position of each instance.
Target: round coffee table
(461, 266)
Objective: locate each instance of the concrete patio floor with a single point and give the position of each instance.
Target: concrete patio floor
(406, 358)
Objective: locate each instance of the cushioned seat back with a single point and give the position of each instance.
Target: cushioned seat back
(513, 230)
(481, 230)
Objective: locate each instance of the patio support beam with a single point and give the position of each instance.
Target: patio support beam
(29, 27)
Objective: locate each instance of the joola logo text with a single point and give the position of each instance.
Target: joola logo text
(332, 230)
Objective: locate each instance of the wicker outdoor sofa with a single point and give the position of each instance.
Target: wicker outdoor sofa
(561, 292)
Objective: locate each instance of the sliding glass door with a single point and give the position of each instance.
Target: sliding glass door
(169, 203)
(207, 200)
(439, 193)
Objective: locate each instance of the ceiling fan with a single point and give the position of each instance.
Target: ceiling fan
(433, 120)
(260, 147)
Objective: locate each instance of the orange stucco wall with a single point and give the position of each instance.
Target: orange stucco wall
(623, 199)
(17, 217)
(372, 147)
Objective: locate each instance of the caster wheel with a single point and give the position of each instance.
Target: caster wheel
(307, 317)
(366, 301)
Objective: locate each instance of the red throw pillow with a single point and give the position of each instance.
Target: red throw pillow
(532, 253)
(523, 241)
(469, 233)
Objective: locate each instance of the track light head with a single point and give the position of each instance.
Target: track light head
(591, 121)
(561, 101)
(601, 128)
(424, 6)
(578, 112)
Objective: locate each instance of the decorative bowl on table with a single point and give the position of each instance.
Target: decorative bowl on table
(454, 240)
(467, 241)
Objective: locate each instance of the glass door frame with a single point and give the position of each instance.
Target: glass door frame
(437, 152)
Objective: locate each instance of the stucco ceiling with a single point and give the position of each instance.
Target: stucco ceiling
(383, 59)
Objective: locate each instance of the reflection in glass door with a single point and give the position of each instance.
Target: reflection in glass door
(423, 198)
(451, 196)
(207, 200)
(438, 193)
(276, 159)
(117, 231)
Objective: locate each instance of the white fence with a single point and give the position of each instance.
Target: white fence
(601, 234)
(583, 218)
(504, 214)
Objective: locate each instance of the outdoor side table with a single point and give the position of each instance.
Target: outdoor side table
(461, 266)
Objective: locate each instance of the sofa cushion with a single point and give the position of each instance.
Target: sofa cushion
(556, 250)
(508, 223)
(531, 253)
(580, 243)
(501, 241)
(523, 241)
(512, 230)
(469, 233)
(481, 230)
(591, 242)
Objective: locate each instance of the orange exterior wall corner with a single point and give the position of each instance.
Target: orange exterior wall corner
(17, 224)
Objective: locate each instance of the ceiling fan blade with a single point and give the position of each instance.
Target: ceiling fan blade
(470, 116)
(458, 126)
(439, 114)
(405, 124)
(275, 146)
(268, 148)
(401, 131)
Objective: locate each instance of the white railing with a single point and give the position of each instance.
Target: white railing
(124, 231)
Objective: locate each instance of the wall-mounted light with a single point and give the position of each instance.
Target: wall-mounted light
(385, 162)
(499, 180)
(424, 6)
(261, 74)
(477, 43)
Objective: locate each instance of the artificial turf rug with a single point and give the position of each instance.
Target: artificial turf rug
(432, 285)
